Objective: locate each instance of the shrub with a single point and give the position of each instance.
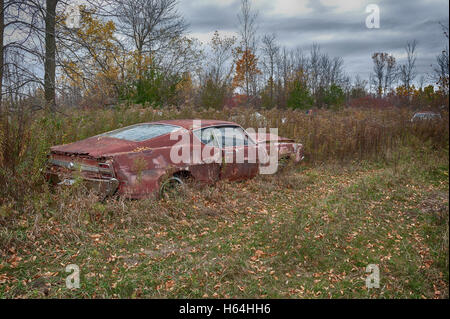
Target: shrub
(299, 97)
(334, 96)
(153, 88)
(213, 95)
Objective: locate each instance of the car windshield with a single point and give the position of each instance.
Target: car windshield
(142, 132)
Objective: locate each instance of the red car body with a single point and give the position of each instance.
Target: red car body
(136, 166)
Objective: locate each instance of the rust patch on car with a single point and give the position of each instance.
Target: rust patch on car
(135, 169)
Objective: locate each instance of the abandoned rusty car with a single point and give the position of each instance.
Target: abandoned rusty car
(140, 160)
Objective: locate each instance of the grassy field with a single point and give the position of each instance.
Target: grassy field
(308, 232)
(373, 189)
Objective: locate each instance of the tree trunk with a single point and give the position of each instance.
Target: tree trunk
(50, 54)
(2, 29)
(271, 81)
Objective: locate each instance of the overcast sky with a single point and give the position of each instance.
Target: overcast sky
(338, 26)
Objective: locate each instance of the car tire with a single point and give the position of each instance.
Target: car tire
(171, 186)
(284, 163)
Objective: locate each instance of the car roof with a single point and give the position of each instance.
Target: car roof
(189, 123)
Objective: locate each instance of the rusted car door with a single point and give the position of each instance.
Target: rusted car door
(207, 164)
(239, 153)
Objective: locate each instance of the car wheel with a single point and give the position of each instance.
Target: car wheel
(283, 163)
(171, 187)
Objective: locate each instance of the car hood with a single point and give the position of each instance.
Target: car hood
(97, 146)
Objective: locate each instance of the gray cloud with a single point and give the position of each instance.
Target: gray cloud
(339, 33)
(211, 17)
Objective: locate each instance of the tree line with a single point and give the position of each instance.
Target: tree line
(54, 55)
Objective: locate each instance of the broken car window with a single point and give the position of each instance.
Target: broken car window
(207, 136)
(232, 136)
(226, 136)
(142, 132)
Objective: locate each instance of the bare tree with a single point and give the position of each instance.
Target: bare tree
(384, 71)
(17, 28)
(390, 74)
(38, 35)
(154, 29)
(32, 26)
(407, 71)
(2, 29)
(441, 69)
(422, 81)
(247, 21)
(149, 24)
(314, 68)
(247, 30)
(9, 22)
(331, 70)
(219, 67)
(358, 89)
(378, 69)
(215, 75)
(323, 71)
(283, 68)
(50, 53)
(270, 50)
(180, 55)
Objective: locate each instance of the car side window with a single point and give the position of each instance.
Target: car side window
(232, 136)
(207, 136)
(223, 136)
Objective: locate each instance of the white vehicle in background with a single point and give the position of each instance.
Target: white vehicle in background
(426, 116)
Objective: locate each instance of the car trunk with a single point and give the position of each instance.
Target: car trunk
(85, 166)
(95, 147)
(88, 161)
(96, 174)
(89, 158)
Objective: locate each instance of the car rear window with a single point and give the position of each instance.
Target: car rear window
(142, 132)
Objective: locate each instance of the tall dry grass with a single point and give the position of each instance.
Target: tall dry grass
(347, 135)
(30, 210)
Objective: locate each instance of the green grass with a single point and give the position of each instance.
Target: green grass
(309, 232)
